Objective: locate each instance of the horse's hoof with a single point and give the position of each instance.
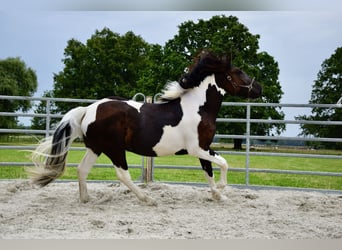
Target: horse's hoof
(223, 198)
(221, 186)
(85, 199)
(150, 202)
(219, 197)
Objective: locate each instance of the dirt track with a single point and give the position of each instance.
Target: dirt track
(183, 212)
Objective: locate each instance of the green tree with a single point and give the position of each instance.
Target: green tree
(326, 89)
(40, 122)
(152, 78)
(16, 79)
(107, 65)
(224, 34)
(110, 64)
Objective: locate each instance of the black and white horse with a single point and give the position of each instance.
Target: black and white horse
(184, 123)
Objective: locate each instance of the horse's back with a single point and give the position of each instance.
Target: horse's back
(109, 122)
(116, 123)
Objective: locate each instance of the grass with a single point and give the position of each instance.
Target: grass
(235, 161)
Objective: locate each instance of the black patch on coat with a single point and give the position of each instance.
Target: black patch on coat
(119, 127)
(212, 152)
(207, 167)
(208, 112)
(182, 152)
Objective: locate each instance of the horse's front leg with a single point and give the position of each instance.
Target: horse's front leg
(208, 171)
(222, 163)
(213, 157)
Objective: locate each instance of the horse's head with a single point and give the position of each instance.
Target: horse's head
(238, 83)
(232, 79)
(229, 78)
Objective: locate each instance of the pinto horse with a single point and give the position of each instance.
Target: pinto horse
(184, 123)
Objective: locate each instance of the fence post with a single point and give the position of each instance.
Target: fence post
(148, 169)
(48, 118)
(248, 133)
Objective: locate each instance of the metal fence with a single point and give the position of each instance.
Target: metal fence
(247, 137)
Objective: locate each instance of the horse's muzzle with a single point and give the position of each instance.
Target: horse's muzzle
(255, 91)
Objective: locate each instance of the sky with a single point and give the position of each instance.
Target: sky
(299, 38)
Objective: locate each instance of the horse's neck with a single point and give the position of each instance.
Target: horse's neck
(207, 97)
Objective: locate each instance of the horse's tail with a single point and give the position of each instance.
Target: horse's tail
(50, 155)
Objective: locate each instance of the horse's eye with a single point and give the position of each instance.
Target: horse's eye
(229, 77)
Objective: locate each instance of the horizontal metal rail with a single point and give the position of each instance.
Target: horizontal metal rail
(254, 170)
(31, 164)
(16, 114)
(284, 105)
(243, 120)
(29, 98)
(273, 138)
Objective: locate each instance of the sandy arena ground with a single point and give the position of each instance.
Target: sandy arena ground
(183, 212)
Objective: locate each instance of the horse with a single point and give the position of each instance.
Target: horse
(184, 122)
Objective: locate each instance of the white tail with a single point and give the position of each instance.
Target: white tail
(50, 155)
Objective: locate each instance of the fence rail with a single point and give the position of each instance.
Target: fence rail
(247, 136)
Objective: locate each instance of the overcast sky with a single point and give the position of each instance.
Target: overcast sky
(298, 40)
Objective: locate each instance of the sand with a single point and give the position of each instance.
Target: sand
(183, 212)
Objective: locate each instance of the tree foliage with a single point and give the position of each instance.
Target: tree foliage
(108, 64)
(40, 122)
(326, 89)
(224, 34)
(16, 79)
(152, 78)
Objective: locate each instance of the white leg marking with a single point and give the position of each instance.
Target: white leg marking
(83, 169)
(222, 183)
(125, 178)
(218, 160)
(215, 192)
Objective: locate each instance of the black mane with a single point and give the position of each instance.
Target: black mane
(206, 63)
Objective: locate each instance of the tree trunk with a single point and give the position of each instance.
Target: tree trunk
(238, 144)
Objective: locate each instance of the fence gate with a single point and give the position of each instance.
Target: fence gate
(147, 164)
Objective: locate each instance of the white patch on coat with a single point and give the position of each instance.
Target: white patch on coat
(171, 142)
(90, 114)
(185, 134)
(91, 111)
(134, 104)
(221, 90)
(74, 117)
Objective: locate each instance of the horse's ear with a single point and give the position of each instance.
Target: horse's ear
(204, 53)
(227, 60)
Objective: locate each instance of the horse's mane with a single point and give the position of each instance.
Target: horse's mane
(205, 63)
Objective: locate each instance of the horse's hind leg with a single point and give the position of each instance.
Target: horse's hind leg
(119, 160)
(83, 169)
(125, 178)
